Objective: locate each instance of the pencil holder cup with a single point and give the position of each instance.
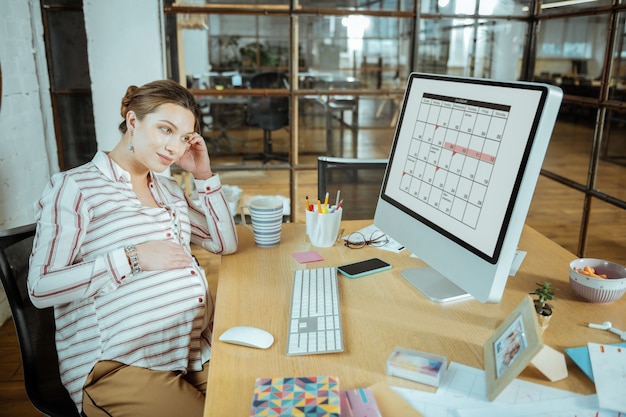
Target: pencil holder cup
(266, 215)
(322, 228)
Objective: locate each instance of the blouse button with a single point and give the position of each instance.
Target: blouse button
(208, 188)
(200, 299)
(168, 234)
(193, 272)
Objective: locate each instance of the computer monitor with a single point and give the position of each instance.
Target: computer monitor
(462, 170)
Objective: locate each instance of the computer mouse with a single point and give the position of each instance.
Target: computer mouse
(248, 336)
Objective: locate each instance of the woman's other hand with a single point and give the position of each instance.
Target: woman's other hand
(196, 158)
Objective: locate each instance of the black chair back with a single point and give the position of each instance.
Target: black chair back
(269, 113)
(358, 180)
(34, 327)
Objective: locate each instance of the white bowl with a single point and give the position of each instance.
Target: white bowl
(598, 290)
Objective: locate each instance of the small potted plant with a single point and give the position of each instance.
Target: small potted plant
(544, 293)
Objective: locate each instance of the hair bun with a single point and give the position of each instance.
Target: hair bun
(130, 92)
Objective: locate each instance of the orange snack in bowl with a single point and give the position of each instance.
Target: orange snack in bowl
(590, 272)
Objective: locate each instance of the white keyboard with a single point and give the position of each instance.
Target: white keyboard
(315, 322)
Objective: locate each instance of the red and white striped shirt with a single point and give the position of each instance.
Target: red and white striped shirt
(159, 320)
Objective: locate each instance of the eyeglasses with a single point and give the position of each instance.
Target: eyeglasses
(356, 240)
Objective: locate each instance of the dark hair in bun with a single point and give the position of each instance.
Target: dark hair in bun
(145, 99)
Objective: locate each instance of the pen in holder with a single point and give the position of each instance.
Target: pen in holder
(322, 228)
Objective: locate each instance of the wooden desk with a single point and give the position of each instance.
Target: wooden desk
(380, 312)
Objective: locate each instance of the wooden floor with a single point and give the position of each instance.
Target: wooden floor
(13, 400)
(555, 211)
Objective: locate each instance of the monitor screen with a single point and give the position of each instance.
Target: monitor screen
(462, 170)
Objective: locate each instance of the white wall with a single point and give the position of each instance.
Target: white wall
(24, 126)
(125, 46)
(27, 143)
(196, 61)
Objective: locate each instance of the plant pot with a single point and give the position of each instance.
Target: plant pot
(544, 321)
(544, 314)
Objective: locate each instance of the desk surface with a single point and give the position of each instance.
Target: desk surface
(379, 312)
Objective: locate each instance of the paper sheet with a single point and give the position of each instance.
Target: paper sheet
(462, 393)
(390, 403)
(608, 363)
(580, 356)
(582, 406)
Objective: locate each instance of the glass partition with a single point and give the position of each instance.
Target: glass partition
(357, 5)
(483, 48)
(555, 7)
(550, 193)
(599, 229)
(339, 59)
(611, 171)
(573, 131)
(225, 51)
(373, 50)
(570, 53)
(347, 126)
(480, 7)
(617, 85)
(245, 3)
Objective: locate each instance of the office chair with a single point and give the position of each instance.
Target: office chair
(34, 327)
(269, 113)
(358, 180)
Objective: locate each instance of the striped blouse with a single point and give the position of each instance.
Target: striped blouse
(159, 320)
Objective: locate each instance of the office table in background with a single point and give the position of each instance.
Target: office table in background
(335, 106)
(379, 312)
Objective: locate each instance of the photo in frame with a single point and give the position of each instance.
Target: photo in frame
(511, 348)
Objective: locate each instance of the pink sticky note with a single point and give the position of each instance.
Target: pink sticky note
(305, 257)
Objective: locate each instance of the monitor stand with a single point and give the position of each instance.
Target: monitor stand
(434, 285)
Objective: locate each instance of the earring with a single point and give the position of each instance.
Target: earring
(131, 148)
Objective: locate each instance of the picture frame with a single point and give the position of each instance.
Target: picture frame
(511, 347)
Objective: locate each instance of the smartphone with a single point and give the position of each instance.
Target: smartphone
(362, 268)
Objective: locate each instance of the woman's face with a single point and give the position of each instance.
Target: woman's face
(161, 137)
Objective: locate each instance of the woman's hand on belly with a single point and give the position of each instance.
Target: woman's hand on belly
(162, 255)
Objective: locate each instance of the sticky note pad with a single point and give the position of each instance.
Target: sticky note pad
(306, 257)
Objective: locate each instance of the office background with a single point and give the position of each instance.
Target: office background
(65, 65)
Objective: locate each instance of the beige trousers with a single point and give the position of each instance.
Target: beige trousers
(118, 390)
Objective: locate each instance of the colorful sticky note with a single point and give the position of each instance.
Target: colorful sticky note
(309, 256)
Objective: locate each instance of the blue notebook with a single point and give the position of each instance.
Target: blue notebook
(580, 356)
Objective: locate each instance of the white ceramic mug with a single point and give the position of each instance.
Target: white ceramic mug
(323, 228)
(266, 214)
